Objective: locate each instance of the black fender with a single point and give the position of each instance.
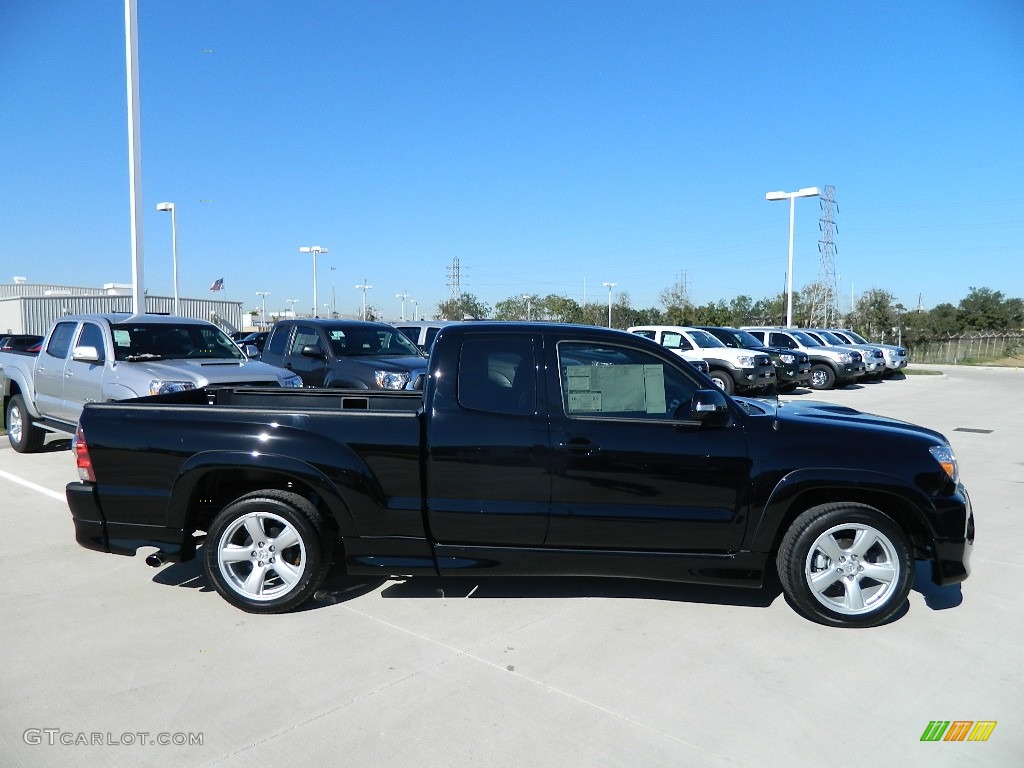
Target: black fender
(803, 488)
(195, 468)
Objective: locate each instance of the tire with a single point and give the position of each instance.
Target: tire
(822, 377)
(21, 429)
(723, 381)
(845, 565)
(267, 552)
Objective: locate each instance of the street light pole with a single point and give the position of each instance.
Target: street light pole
(528, 307)
(364, 287)
(791, 196)
(263, 308)
(174, 248)
(415, 310)
(293, 302)
(315, 250)
(609, 286)
(403, 296)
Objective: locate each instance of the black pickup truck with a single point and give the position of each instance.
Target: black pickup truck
(534, 449)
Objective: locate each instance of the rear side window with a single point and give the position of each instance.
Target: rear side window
(60, 340)
(498, 375)
(278, 340)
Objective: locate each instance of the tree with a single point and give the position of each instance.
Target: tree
(465, 307)
(875, 314)
(986, 310)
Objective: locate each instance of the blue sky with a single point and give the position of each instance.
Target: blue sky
(547, 145)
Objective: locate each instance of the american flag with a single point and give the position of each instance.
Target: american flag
(218, 284)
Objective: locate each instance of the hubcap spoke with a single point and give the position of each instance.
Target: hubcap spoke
(882, 572)
(235, 554)
(254, 582)
(823, 580)
(289, 575)
(830, 548)
(863, 541)
(254, 527)
(288, 537)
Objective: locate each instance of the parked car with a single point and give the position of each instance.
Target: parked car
(792, 367)
(732, 370)
(98, 358)
(874, 358)
(347, 354)
(896, 358)
(421, 332)
(20, 342)
(830, 366)
(256, 339)
(535, 449)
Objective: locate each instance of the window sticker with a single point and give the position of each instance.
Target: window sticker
(122, 338)
(616, 389)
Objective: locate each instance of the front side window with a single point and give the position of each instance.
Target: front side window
(498, 375)
(60, 340)
(91, 336)
(617, 382)
(305, 336)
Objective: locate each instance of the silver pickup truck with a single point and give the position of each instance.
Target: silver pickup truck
(101, 358)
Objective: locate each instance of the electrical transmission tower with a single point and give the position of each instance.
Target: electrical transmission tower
(823, 299)
(453, 279)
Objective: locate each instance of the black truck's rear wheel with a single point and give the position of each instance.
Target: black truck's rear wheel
(267, 552)
(845, 565)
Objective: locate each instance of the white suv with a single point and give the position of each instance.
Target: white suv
(733, 370)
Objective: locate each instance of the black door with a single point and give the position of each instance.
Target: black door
(631, 470)
(488, 473)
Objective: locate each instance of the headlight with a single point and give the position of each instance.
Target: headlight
(787, 358)
(391, 379)
(845, 357)
(944, 455)
(292, 381)
(745, 361)
(162, 387)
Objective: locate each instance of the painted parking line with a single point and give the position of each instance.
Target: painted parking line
(32, 486)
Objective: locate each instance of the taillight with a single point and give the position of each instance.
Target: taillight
(82, 458)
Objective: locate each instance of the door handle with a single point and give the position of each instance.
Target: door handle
(579, 445)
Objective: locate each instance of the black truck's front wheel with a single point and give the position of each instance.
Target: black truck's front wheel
(845, 565)
(267, 552)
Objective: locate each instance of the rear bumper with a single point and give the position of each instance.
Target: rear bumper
(92, 531)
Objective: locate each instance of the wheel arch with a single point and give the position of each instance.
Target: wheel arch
(209, 481)
(804, 489)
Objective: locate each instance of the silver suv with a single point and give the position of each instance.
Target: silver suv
(874, 358)
(830, 366)
(896, 357)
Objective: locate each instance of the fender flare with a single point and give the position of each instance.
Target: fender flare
(202, 464)
(862, 486)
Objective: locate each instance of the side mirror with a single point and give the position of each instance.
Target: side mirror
(86, 355)
(709, 407)
(251, 351)
(312, 350)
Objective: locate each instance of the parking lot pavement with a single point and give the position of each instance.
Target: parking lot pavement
(527, 672)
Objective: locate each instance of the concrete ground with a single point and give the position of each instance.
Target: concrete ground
(103, 656)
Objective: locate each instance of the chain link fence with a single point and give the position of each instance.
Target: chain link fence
(968, 347)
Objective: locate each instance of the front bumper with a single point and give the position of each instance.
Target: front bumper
(951, 561)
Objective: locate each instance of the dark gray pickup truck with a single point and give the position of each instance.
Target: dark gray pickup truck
(349, 354)
(534, 449)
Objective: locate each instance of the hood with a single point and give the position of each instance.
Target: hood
(398, 363)
(815, 411)
(210, 371)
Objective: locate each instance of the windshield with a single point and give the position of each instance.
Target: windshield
(739, 339)
(831, 338)
(704, 340)
(856, 337)
(383, 341)
(805, 338)
(164, 341)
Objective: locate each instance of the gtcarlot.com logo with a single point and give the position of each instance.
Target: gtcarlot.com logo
(55, 736)
(958, 730)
